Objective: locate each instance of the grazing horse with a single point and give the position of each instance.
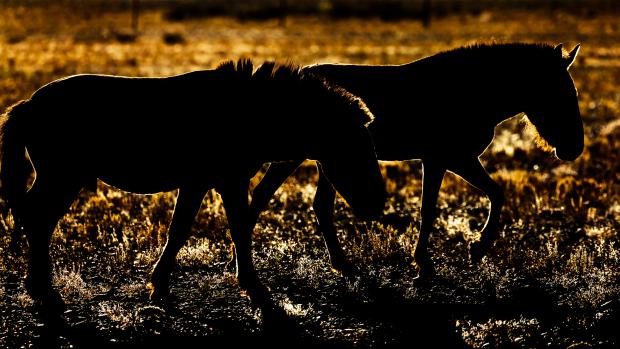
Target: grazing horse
(191, 132)
(443, 109)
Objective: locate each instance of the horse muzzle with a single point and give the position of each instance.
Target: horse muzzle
(570, 154)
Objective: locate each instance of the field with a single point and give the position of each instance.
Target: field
(551, 280)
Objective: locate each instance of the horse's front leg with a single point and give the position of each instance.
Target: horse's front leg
(323, 205)
(276, 174)
(241, 223)
(45, 204)
(473, 172)
(185, 210)
(431, 183)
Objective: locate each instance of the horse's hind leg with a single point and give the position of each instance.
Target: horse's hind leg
(235, 198)
(431, 183)
(324, 209)
(476, 175)
(185, 210)
(44, 205)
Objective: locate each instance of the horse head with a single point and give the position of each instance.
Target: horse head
(354, 172)
(329, 126)
(553, 107)
(348, 159)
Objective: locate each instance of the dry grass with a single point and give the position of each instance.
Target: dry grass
(551, 280)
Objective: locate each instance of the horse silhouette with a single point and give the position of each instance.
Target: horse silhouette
(191, 132)
(443, 110)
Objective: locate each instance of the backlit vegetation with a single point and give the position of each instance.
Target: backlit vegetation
(551, 279)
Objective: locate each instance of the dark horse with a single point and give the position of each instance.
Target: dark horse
(443, 109)
(192, 132)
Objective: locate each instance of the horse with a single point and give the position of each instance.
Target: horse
(443, 109)
(192, 132)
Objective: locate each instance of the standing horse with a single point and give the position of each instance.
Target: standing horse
(192, 132)
(443, 109)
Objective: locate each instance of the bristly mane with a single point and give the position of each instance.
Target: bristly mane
(292, 74)
(243, 68)
(508, 54)
(507, 46)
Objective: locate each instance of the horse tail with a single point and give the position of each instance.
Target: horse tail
(15, 168)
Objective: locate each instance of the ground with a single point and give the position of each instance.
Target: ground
(551, 280)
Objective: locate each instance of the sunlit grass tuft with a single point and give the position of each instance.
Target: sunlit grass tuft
(71, 286)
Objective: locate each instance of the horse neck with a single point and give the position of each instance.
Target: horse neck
(283, 141)
(501, 90)
(520, 89)
(510, 97)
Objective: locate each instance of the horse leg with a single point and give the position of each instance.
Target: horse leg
(477, 176)
(185, 211)
(44, 205)
(431, 183)
(324, 209)
(276, 174)
(235, 198)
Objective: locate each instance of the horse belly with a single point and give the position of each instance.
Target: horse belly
(135, 169)
(140, 181)
(151, 173)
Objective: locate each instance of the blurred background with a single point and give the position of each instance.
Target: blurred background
(551, 280)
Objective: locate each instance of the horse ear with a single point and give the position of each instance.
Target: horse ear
(572, 55)
(559, 50)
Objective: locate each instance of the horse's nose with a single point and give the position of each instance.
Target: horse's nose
(569, 153)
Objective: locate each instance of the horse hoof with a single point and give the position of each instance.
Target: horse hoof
(44, 294)
(255, 291)
(159, 284)
(426, 271)
(477, 251)
(344, 268)
(158, 293)
(50, 304)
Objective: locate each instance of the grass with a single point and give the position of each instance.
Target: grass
(550, 281)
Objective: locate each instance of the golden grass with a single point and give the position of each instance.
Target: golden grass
(561, 220)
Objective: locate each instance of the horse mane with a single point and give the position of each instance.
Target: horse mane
(505, 47)
(292, 75)
(243, 68)
(505, 54)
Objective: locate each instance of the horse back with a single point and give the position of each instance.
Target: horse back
(140, 134)
(420, 105)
